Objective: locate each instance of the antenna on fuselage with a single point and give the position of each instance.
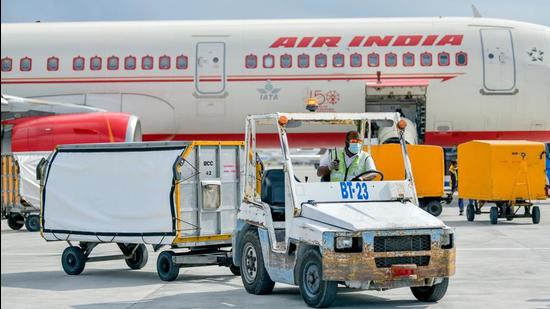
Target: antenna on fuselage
(475, 11)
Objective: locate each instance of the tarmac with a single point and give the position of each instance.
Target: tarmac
(498, 266)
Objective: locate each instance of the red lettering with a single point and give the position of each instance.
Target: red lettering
(356, 41)
(450, 39)
(430, 40)
(328, 41)
(304, 42)
(287, 42)
(407, 40)
(378, 40)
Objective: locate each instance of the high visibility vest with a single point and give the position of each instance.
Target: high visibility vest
(345, 173)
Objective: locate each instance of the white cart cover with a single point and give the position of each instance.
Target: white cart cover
(29, 186)
(111, 193)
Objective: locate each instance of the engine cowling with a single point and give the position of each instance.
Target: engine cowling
(44, 133)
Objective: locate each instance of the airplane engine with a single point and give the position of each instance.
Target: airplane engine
(44, 133)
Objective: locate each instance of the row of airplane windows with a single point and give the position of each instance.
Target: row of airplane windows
(251, 61)
(96, 63)
(356, 60)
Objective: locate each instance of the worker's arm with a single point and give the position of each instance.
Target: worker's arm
(324, 165)
(369, 166)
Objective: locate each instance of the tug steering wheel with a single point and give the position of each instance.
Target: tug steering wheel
(358, 177)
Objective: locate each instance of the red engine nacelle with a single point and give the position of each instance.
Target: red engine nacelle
(44, 133)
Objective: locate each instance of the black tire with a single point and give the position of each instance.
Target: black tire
(434, 208)
(73, 260)
(255, 278)
(535, 214)
(493, 215)
(166, 269)
(139, 259)
(316, 292)
(16, 221)
(509, 213)
(32, 223)
(470, 212)
(431, 293)
(235, 270)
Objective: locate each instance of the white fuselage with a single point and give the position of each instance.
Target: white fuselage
(495, 82)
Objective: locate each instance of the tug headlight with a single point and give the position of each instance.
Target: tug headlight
(344, 242)
(447, 240)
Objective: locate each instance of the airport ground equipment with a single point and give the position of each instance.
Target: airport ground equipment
(428, 170)
(16, 189)
(183, 195)
(509, 174)
(319, 235)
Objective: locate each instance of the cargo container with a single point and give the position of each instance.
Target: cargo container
(183, 195)
(428, 171)
(509, 174)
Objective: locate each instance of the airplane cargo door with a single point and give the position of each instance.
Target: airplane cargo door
(210, 68)
(499, 68)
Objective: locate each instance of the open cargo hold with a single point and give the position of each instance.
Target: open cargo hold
(178, 194)
(507, 173)
(428, 171)
(20, 190)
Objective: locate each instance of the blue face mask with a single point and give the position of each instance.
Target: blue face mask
(354, 148)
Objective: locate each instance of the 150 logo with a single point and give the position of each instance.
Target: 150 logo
(325, 99)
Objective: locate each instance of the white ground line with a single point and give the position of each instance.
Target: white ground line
(499, 249)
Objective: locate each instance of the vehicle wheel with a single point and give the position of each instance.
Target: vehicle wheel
(434, 208)
(316, 292)
(509, 213)
(32, 223)
(493, 215)
(16, 221)
(431, 293)
(235, 270)
(73, 260)
(166, 269)
(255, 278)
(139, 259)
(470, 212)
(535, 214)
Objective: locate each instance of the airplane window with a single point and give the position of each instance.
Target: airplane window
(164, 62)
(251, 62)
(25, 64)
(321, 60)
(391, 60)
(356, 60)
(130, 63)
(6, 64)
(269, 61)
(373, 60)
(443, 59)
(147, 63)
(181, 62)
(426, 59)
(95, 63)
(112, 63)
(286, 61)
(52, 64)
(303, 61)
(338, 60)
(461, 58)
(78, 63)
(408, 59)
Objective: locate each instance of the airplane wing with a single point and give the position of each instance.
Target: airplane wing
(17, 107)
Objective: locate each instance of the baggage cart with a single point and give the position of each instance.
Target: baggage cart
(182, 195)
(508, 174)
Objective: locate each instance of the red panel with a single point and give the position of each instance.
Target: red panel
(458, 137)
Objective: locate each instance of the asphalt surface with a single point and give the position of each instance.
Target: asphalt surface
(499, 266)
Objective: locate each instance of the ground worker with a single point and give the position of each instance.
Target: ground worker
(453, 171)
(345, 164)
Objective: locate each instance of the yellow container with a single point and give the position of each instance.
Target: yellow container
(427, 166)
(501, 170)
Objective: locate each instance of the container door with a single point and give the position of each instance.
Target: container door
(499, 70)
(210, 68)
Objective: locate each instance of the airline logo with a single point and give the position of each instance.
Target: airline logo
(368, 41)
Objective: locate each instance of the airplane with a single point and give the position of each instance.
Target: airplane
(455, 79)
